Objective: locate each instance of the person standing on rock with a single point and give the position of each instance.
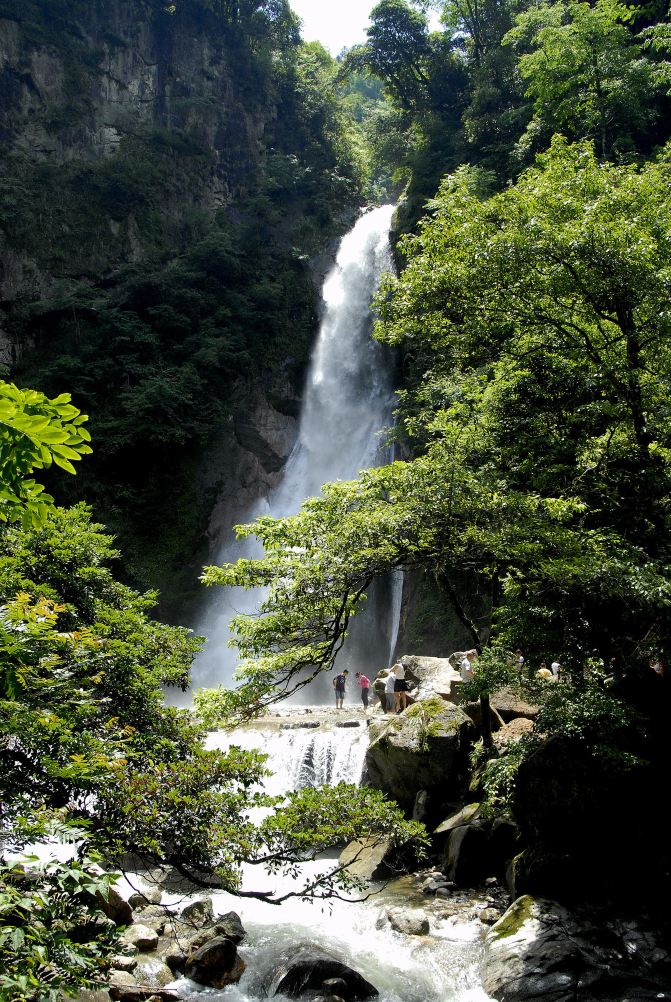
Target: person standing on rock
(400, 687)
(389, 693)
(466, 665)
(365, 687)
(339, 686)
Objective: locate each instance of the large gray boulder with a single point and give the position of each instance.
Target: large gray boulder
(510, 705)
(424, 748)
(187, 942)
(216, 964)
(309, 967)
(538, 951)
(140, 936)
(432, 677)
(366, 859)
(198, 913)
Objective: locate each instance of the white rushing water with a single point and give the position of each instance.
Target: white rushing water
(440, 967)
(348, 399)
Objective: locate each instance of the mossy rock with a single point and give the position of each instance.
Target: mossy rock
(424, 748)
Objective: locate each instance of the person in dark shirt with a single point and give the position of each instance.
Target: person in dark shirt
(339, 686)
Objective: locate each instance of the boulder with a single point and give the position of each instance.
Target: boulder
(151, 971)
(466, 861)
(121, 962)
(145, 896)
(462, 817)
(142, 993)
(216, 964)
(120, 978)
(540, 952)
(432, 677)
(198, 914)
(186, 942)
(309, 967)
(229, 925)
(509, 705)
(366, 859)
(155, 917)
(115, 907)
(140, 936)
(408, 921)
(424, 748)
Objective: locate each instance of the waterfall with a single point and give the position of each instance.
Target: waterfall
(300, 757)
(348, 399)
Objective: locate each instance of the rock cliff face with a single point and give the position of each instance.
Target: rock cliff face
(167, 172)
(100, 82)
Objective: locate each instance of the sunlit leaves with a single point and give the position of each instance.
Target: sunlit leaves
(35, 432)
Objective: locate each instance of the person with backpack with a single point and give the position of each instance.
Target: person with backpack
(339, 686)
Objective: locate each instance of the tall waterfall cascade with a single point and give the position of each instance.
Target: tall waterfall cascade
(348, 400)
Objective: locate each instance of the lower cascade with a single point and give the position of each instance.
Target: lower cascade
(397, 944)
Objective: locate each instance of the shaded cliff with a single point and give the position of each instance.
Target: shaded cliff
(167, 172)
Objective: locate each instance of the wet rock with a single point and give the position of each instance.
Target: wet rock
(152, 972)
(541, 952)
(198, 914)
(144, 897)
(489, 915)
(186, 943)
(216, 964)
(115, 907)
(140, 936)
(424, 748)
(123, 963)
(348, 723)
(309, 967)
(412, 923)
(229, 925)
(142, 993)
(366, 859)
(335, 986)
(155, 917)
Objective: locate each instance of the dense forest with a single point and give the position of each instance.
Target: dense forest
(169, 175)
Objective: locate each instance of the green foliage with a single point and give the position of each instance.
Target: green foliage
(492, 669)
(35, 433)
(586, 72)
(53, 940)
(176, 258)
(85, 739)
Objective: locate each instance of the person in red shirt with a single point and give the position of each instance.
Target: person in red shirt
(365, 686)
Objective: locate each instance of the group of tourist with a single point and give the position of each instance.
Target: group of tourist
(395, 689)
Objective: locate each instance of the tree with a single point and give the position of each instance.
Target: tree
(89, 752)
(586, 71)
(35, 432)
(397, 52)
(537, 322)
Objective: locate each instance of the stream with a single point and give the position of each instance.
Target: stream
(441, 966)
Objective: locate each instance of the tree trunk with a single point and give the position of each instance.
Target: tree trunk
(486, 725)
